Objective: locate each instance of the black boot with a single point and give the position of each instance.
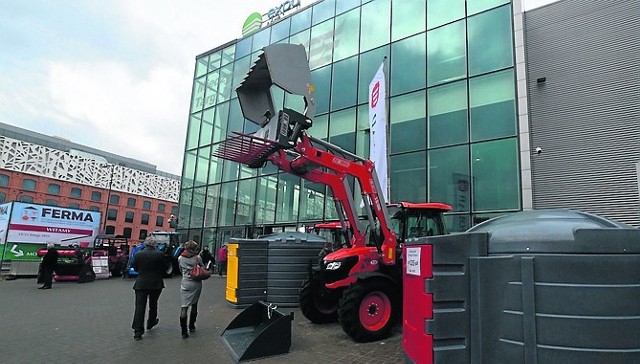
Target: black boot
(183, 326)
(192, 320)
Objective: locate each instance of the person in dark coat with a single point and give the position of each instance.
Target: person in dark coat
(150, 265)
(48, 265)
(206, 256)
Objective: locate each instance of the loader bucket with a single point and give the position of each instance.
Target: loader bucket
(258, 331)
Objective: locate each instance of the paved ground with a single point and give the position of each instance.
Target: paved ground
(91, 322)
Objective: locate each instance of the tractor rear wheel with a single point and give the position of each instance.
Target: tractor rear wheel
(369, 310)
(317, 303)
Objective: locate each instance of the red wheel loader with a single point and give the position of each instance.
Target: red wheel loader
(361, 284)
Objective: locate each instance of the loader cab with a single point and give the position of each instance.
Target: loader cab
(413, 220)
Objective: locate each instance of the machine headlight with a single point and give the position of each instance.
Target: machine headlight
(333, 265)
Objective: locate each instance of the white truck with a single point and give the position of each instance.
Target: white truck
(27, 227)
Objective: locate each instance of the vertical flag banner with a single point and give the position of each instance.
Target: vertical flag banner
(378, 125)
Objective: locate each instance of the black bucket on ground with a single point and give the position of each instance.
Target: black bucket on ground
(258, 331)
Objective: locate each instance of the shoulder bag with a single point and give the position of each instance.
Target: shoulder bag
(199, 272)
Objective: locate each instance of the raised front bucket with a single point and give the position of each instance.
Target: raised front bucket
(258, 331)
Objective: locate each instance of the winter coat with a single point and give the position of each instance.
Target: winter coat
(149, 263)
(50, 259)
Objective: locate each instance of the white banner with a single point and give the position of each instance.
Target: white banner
(378, 124)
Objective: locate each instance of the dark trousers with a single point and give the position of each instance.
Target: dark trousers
(222, 268)
(48, 276)
(141, 305)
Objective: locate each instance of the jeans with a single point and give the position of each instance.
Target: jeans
(141, 305)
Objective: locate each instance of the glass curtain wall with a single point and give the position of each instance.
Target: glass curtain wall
(452, 112)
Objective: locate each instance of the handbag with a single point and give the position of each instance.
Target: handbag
(198, 272)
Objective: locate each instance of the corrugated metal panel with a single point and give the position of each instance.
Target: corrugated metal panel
(586, 116)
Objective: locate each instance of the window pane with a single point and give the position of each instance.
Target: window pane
(240, 69)
(408, 68)
(475, 6)
(197, 97)
(214, 61)
(129, 216)
(362, 131)
(347, 35)
(96, 196)
(159, 221)
(211, 91)
(312, 201)
(492, 106)
(345, 81)
(228, 55)
(301, 21)
(206, 130)
(193, 131)
(490, 43)
(243, 47)
(161, 207)
(446, 53)
(323, 11)
(321, 45)
(28, 184)
(280, 30)
(202, 168)
(408, 18)
(201, 66)
(76, 192)
(94, 208)
(27, 199)
(449, 177)
(261, 39)
(220, 122)
(112, 214)
(288, 198)
(131, 202)
(146, 205)
(342, 126)
(225, 83)
(344, 5)
(408, 174)
(188, 169)
(74, 205)
(408, 122)
(215, 170)
(266, 200)
(369, 64)
(320, 127)
(448, 114)
(495, 175)
(143, 234)
(301, 38)
(375, 24)
(114, 199)
(144, 220)
(321, 79)
(4, 180)
(441, 12)
(53, 189)
(126, 232)
(227, 203)
(246, 201)
(51, 202)
(211, 206)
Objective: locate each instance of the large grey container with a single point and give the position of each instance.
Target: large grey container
(536, 287)
(247, 279)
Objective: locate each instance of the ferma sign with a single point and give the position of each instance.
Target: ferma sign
(254, 21)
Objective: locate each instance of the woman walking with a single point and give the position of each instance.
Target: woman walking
(189, 288)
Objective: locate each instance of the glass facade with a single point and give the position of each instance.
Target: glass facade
(452, 114)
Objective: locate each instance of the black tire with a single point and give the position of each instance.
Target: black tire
(317, 303)
(117, 270)
(369, 309)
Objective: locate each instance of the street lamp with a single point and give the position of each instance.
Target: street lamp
(106, 214)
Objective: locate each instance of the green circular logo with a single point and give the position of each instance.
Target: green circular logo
(252, 24)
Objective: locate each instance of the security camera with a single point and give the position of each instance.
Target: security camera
(538, 150)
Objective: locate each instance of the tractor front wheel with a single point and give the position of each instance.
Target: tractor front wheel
(317, 303)
(369, 310)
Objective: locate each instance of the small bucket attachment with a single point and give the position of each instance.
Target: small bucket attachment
(258, 331)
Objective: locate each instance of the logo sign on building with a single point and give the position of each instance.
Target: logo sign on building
(254, 21)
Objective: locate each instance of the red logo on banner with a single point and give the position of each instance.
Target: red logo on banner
(375, 94)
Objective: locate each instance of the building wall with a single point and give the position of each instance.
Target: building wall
(453, 112)
(584, 102)
(54, 173)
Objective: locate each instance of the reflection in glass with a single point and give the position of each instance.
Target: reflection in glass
(408, 122)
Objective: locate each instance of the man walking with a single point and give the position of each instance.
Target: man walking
(149, 263)
(48, 265)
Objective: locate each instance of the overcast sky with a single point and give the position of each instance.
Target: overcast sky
(114, 75)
